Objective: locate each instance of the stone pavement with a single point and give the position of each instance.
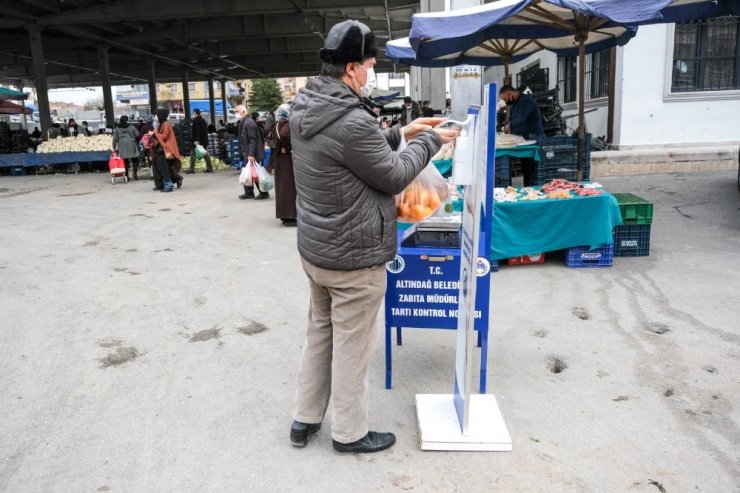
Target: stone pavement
(149, 342)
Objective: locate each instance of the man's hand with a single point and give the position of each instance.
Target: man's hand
(416, 127)
(447, 135)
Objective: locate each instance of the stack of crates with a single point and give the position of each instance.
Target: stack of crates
(632, 238)
(184, 136)
(233, 151)
(559, 158)
(503, 171)
(215, 145)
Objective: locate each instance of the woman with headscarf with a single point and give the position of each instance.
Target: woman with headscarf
(167, 158)
(125, 142)
(282, 162)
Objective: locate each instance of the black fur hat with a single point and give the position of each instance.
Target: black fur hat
(348, 41)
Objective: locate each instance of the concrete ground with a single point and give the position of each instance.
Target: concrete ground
(149, 342)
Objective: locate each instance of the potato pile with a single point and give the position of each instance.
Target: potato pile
(94, 143)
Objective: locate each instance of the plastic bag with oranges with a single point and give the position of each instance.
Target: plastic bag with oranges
(423, 197)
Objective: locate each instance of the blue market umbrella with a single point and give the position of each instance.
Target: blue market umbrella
(574, 24)
(504, 53)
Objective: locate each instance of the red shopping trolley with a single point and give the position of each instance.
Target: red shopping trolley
(117, 168)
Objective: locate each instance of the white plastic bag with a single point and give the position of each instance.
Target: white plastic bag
(265, 182)
(424, 196)
(200, 152)
(245, 177)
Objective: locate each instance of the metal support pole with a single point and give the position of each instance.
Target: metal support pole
(19, 85)
(152, 89)
(39, 72)
(581, 102)
(225, 115)
(211, 101)
(185, 94)
(110, 116)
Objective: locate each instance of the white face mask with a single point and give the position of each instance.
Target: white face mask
(370, 82)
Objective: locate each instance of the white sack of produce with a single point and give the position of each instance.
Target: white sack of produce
(80, 143)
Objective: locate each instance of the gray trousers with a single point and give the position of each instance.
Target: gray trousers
(341, 336)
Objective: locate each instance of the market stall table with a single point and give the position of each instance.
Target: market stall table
(536, 226)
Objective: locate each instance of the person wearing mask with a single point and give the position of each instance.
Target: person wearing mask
(409, 112)
(125, 138)
(73, 129)
(525, 120)
(200, 136)
(426, 109)
(166, 154)
(252, 145)
(281, 160)
(347, 174)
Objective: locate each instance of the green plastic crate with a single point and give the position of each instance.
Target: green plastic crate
(634, 209)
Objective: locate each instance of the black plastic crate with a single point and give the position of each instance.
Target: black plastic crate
(503, 171)
(632, 240)
(559, 158)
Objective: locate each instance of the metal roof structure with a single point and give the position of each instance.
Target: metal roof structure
(219, 39)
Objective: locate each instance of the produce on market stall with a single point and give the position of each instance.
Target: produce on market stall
(95, 143)
(554, 189)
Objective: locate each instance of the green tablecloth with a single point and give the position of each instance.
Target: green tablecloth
(536, 226)
(530, 151)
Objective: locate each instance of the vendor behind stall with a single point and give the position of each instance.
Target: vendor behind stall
(524, 120)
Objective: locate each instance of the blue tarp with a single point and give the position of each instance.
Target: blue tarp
(205, 106)
(44, 158)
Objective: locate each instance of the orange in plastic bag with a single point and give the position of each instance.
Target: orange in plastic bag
(423, 197)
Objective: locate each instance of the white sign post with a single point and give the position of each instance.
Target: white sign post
(462, 421)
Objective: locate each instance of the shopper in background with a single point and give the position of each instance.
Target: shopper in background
(524, 120)
(281, 160)
(270, 136)
(426, 109)
(253, 148)
(409, 112)
(200, 136)
(125, 142)
(72, 128)
(84, 130)
(347, 174)
(167, 158)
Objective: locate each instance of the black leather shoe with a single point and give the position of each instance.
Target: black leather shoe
(372, 442)
(262, 196)
(246, 196)
(188, 172)
(299, 433)
(179, 183)
(208, 171)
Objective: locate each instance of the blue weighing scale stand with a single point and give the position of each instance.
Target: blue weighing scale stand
(433, 288)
